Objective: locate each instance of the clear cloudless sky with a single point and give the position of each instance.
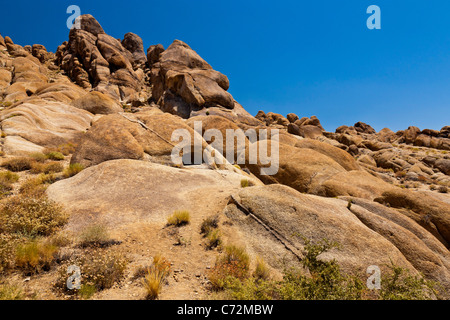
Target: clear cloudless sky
(312, 57)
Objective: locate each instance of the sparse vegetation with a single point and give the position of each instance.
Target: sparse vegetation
(316, 280)
(245, 183)
(18, 164)
(156, 277)
(35, 256)
(100, 269)
(46, 168)
(179, 218)
(401, 285)
(73, 169)
(31, 216)
(209, 224)
(11, 292)
(55, 155)
(214, 239)
(233, 264)
(95, 235)
(261, 271)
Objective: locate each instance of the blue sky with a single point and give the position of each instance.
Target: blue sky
(307, 57)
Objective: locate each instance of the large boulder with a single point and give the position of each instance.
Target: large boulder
(184, 82)
(97, 103)
(143, 135)
(134, 44)
(45, 123)
(275, 219)
(428, 210)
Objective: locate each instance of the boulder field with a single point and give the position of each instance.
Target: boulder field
(383, 196)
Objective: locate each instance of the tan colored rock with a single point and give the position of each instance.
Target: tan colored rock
(290, 215)
(115, 137)
(97, 103)
(44, 123)
(338, 155)
(428, 208)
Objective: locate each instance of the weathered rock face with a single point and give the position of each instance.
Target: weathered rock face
(182, 82)
(123, 137)
(93, 59)
(97, 103)
(134, 44)
(368, 233)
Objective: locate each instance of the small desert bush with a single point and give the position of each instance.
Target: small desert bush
(8, 245)
(18, 164)
(7, 178)
(100, 269)
(11, 292)
(325, 282)
(46, 168)
(73, 169)
(31, 216)
(156, 276)
(179, 218)
(95, 235)
(55, 155)
(86, 291)
(244, 183)
(261, 272)
(38, 157)
(432, 187)
(64, 149)
(35, 187)
(214, 239)
(401, 285)
(234, 263)
(35, 256)
(209, 224)
(251, 289)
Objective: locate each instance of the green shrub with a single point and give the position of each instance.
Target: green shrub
(35, 256)
(73, 169)
(261, 271)
(35, 187)
(8, 177)
(179, 218)
(245, 183)
(38, 157)
(11, 292)
(87, 291)
(401, 285)
(326, 281)
(57, 156)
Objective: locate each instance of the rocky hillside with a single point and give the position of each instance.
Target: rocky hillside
(92, 125)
